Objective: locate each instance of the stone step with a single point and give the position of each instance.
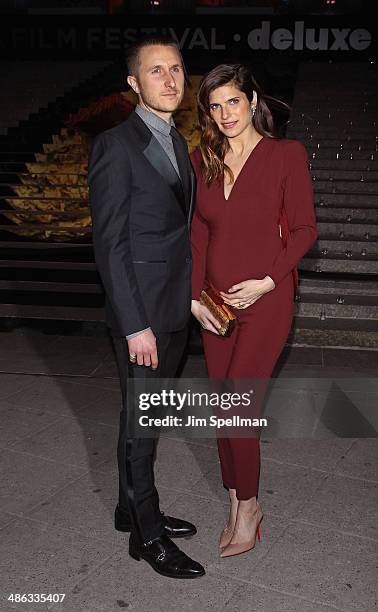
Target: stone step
(355, 265)
(17, 156)
(355, 165)
(353, 231)
(354, 284)
(326, 310)
(57, 168)
(64, 139)
(341, 243)
(342, 246)
(309, 123)
(12, 167)
(48, 147)
(55, 313)
(336, 154)
(65, 158)
(336, 139)
(326, 131)
(335, 84)
(55, 202)
(340, 186)
(340, 299)
(340, 146)
(353, 200)
(354, 115)
(47, 214)
(63, 179)
(25, 178)
(356, 111)
(313, 332)
(344, 143)
(42, 191)
(366, 234)
(45, 229)
(331, 289)
(345, 175)
(329, 214)
(342, 97)
(361, 105)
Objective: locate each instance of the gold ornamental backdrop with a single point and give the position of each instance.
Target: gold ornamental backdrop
(51, 203)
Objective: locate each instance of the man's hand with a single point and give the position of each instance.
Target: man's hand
(143, 350)
(204, 317)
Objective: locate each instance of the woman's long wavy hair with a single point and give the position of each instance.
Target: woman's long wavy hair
(214, 145)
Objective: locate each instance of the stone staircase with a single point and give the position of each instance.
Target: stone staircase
(334, 116)
(47, 270)
(28, 86)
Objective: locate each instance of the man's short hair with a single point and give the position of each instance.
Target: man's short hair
(133, 52)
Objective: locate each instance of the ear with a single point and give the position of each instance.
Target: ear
(132, 81)
(254, 99)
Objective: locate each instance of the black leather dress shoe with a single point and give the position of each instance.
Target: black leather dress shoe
(165, 558)
(174, 527)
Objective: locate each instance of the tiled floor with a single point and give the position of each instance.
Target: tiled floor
(59, 404)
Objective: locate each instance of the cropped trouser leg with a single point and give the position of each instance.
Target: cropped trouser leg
(251, 352)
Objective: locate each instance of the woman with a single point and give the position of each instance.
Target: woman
(244, 178)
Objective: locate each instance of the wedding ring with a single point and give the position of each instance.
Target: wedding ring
(132, 357)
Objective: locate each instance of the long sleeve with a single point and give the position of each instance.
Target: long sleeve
(109, 199)
(299, 207)
(199, 239)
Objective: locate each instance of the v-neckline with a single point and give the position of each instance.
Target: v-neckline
(240, 172)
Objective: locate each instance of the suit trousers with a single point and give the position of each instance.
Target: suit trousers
(138, 496)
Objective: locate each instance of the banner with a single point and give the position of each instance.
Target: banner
(103, 37)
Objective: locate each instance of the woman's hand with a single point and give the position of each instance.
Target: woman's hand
(244, 294)
(204, 317)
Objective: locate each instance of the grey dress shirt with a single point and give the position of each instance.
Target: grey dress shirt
(161, 130)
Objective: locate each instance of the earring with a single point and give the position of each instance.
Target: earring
(253, 108)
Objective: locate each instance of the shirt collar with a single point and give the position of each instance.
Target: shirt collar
(154, 121)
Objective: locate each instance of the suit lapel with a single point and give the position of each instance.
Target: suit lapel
(157, 157)
(183, 162)
(192, 194)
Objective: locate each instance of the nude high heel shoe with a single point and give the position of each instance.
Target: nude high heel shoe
(241, 547)
(226, 537)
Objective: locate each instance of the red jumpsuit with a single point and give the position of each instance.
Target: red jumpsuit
(239, 239)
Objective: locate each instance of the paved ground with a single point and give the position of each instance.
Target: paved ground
(59, 404)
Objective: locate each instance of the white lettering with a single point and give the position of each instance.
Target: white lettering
(68, 38)
(314, 39)
(340, 42)
(213, 41)
(360, 39)
(321, 44)
(129, 35)
(181, 41)
(42, 42)
(19, 36)
(282, 39)
(113, 38)
(198, 40)
(259, 37)
(93, 36)
(298, 35)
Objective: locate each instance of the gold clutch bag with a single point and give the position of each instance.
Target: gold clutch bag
(213, 302)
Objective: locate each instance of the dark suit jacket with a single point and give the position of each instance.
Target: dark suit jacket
(141, 215)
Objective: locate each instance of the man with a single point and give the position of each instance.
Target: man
(141, 197)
